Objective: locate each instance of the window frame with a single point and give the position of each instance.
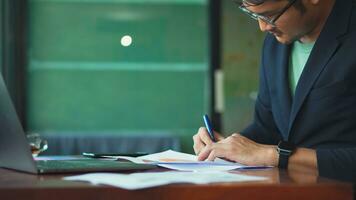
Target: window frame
(13, 51)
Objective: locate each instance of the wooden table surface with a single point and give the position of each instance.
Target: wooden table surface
(280, 185)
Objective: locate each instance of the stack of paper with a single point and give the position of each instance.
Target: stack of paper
(203, 172)
(186, 162)
(147, 180)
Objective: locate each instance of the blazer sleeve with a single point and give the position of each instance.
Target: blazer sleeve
(337, 163)
(263, 128)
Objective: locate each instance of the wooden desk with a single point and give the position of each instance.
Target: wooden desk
(281, 185)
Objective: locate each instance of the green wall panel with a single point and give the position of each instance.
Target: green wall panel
(80, 31)
(80, 78)
(112, 100)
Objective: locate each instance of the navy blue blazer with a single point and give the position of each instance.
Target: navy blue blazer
(322, 113)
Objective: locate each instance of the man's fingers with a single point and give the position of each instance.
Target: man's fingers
(198, 146)
(204, 153)
(212, 155)
(204, 136)
(211, 152)
(198, 143)
(218, 151)
(201, 139)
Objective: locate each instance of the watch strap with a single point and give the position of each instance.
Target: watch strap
(283, 161)
(285, 150)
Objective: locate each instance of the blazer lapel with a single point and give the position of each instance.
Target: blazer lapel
(282, 85)
(315, 65)
(324, 49)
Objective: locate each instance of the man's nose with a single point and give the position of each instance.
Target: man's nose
(264, 26)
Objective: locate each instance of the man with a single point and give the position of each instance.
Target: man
(305, 113)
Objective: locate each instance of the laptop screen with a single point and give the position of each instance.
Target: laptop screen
(14, 149)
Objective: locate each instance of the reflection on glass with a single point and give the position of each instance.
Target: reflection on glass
(272, 174)
(302, 177)
(126, 40)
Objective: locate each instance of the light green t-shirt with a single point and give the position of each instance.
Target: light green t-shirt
(299, 57)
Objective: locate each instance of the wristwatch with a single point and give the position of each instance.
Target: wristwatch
(284, 149)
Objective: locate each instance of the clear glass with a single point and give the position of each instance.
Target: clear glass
(36, 143)
(240, 67)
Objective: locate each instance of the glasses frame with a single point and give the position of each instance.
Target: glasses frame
(265, 19)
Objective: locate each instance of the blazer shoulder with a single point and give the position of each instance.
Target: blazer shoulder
(272, 49)
(269, 40)
(353, 17)
(271, 44)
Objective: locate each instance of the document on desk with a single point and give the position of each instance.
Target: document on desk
(153, 179)
(186, 162)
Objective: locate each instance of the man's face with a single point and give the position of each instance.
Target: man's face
(290, 26)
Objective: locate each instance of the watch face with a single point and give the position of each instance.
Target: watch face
(286, 145)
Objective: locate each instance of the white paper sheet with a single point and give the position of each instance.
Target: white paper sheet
(186, 162)
(170, 156)
(146, 180)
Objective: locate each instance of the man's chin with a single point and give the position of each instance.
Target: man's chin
(283, 40)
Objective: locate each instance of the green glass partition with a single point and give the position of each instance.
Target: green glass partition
(81, 78)
(242, 43)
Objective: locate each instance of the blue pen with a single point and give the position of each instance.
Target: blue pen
(209, 127)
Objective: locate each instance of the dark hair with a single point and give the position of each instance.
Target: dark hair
(299, 4)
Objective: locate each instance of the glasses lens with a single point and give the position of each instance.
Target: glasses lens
(248, 12)
(267, 21)
(256, 16)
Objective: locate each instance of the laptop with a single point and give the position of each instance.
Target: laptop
(15, 151)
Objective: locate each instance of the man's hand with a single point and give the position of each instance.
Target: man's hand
(235, 148)
(202, 138)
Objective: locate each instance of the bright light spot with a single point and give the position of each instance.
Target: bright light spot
(126, 40)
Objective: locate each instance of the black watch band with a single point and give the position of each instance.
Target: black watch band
(284, 149)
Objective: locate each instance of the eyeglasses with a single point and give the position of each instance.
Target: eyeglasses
(268, 20)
